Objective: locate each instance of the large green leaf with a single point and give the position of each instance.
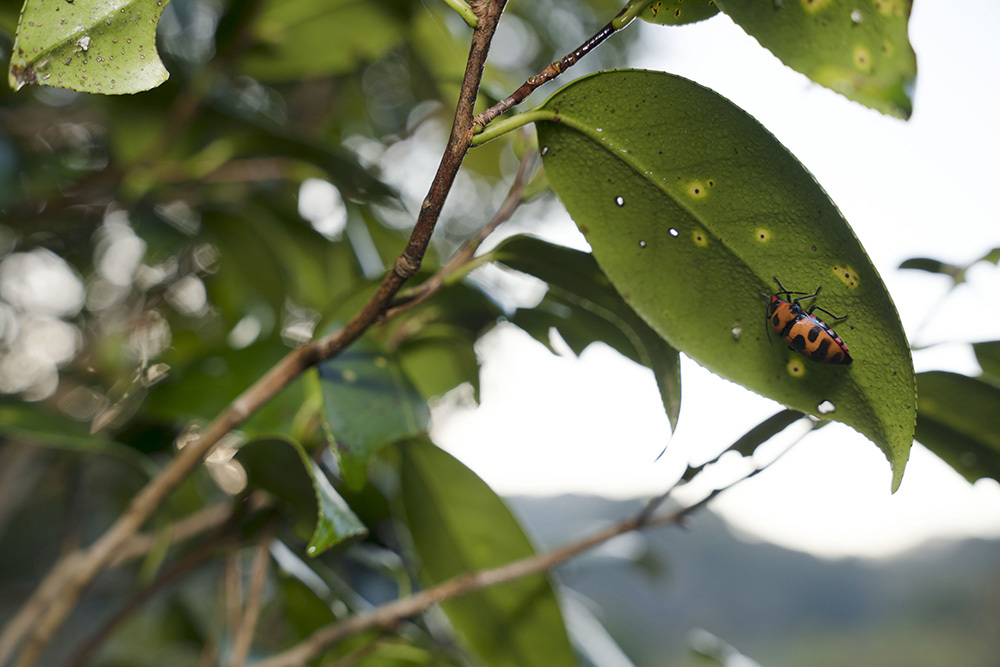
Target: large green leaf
(958, 419)
(859, 49)
(460, 525)
(94, 46)
(583, 306)
(368, 402)
(283, 467)
(691, 208)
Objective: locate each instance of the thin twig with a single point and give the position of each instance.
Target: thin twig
(92, 560)
(180, 569)
(429, 287)
(255, 595)
(388, 615)
(557, 67)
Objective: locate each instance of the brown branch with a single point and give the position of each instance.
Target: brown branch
(76, 573)
(255, 595)
(429, 287)
(175, 573)
(553, 70)
(390, 614)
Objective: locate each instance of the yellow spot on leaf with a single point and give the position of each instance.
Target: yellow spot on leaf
(813, 6)
(700, 238)
(847, 275)
(895, 8)
(796, 368)
(762, 235)
(862, 58)
(696, 190)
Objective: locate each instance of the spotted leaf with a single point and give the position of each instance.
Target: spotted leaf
(691, 208)
(93, 46)
(859, 49)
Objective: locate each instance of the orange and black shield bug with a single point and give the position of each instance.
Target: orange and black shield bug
(803, 331)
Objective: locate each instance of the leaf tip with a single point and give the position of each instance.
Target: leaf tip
(898, 466)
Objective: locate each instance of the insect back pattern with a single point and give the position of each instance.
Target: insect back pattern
(803, 331)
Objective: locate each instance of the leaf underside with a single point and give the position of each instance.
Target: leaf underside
(691, 208)
(858, 49)
(92, 46)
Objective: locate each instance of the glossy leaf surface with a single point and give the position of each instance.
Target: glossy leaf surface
(584, 307)
(284, 468)
(958, 419)
(858, 49)
(368, 402)
(460, 525)
(692, 208)
(93, 46)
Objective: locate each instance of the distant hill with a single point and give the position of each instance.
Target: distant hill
(937, 606)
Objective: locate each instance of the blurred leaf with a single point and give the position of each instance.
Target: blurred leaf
(678, 12)
(691, 219)
(37, 425)
(368, 402)
(932, 266)
(294, 478)
(993, 256)
(958, 419)
(201, 385)
(584, 307)
(988, 356)
(299, 39)
(439, 360)
(460, 525)
(858, 49)
(957, 273)
(435, 341)
(304, 610)
(94, 46)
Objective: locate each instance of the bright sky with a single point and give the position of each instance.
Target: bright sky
(549, 425)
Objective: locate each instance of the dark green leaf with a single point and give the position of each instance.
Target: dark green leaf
(283, 468)
(37, 425)
(958, 419)
(678, 12)
(691, 208)
(584, 307)
(460, 525)
(858, 49)
(94, 46)
(439, 360)
(988, 356)
(368, 402)
(201, 386)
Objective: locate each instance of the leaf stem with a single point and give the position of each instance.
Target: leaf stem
(622, 19)
(495, 129)
(464, 11)
(464, 256)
